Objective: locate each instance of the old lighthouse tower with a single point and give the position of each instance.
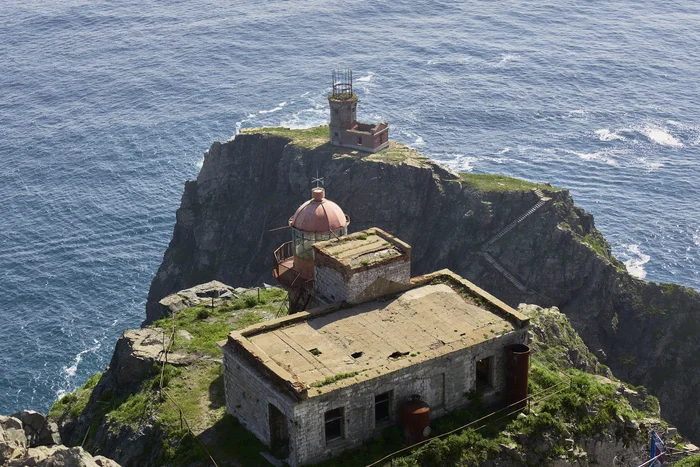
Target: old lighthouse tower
(344, 128)
(317, 220)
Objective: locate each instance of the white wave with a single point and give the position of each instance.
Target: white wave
(696, 237)
(505, 58)
(606, 135)
(306, 118)
(601, 156)
(635, 260)
(462, 59)
(504, 150)
(419, 141)
(457, 162)
(661, 136)
(674, 123)
(651, 166)
(366, 79)
(279, 107)
(71, 370)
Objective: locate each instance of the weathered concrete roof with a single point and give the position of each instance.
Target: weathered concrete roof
(312, 352)
(368, 247)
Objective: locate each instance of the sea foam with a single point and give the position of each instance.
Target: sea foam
(661, 136)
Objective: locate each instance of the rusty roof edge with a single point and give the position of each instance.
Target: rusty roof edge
(506, 311)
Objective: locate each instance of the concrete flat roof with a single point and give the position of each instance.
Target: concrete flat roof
(375, 338)
(365, 248)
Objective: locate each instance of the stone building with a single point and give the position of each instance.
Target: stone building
(344, 128)
(315, 383)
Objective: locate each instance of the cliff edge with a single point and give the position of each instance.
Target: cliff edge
(520, 241)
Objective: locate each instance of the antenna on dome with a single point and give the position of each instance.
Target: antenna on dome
(317, 180)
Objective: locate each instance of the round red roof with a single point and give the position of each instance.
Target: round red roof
(319, 215)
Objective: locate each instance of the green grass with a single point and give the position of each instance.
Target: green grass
(333, 379)
(74, 403)
(691, 461)
(208, 326)
(493, 182)
(308, 138)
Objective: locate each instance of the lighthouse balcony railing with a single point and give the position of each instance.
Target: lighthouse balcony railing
(283, 255)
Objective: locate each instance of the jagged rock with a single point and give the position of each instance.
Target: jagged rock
(199, 294)
(56, 456)
(136, 352)
(105, 462)
(184, 334)
(13, 440)
(554, 337)
(39, 431)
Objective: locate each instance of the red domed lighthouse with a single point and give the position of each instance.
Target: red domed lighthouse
(316, 220)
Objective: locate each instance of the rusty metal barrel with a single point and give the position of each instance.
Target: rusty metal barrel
(518, 369)
(415, 419)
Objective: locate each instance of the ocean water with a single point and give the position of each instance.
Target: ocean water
(107, 107)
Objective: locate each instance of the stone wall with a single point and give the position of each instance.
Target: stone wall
(443, 383)
(334, 287)
(248, 396)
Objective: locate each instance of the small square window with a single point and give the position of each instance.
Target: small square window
(484, 373)
(382, 407)
(334, 424)
(336, 134)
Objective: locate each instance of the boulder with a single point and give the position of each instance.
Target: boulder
(13, 440)
(39, 431)
(102, 461)
(55, 456)
(199, 294)
(136, 353)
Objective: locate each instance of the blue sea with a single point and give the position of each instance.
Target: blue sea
(107, 107)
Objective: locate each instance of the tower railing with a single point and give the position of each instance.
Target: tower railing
(283, 253)
(342, 83)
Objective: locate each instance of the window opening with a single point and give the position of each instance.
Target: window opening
(359, 140)
(382, 407)
(484, 369)
(334, 424)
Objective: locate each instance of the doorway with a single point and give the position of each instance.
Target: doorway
(279, 433)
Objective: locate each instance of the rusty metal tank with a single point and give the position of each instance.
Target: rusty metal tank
(415, 419)
(518, 370)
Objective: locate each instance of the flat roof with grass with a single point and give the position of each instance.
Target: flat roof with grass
(332, 347)
(362, 249)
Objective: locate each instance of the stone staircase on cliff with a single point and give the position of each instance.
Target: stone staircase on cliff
(492, 261)
(516, 222)
(519, 285)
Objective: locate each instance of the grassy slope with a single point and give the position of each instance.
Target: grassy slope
(197, 389)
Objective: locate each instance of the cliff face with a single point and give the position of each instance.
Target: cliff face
(647, 333)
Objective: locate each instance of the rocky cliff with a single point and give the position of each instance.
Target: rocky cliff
(647, 333)
(144, 411)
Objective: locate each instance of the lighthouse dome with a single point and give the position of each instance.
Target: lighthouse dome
(319, 215)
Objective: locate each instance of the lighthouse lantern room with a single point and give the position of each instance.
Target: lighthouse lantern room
(317, 220)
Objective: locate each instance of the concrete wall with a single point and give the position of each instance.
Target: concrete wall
(332, 285)
(443, 383)
(248, 394)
